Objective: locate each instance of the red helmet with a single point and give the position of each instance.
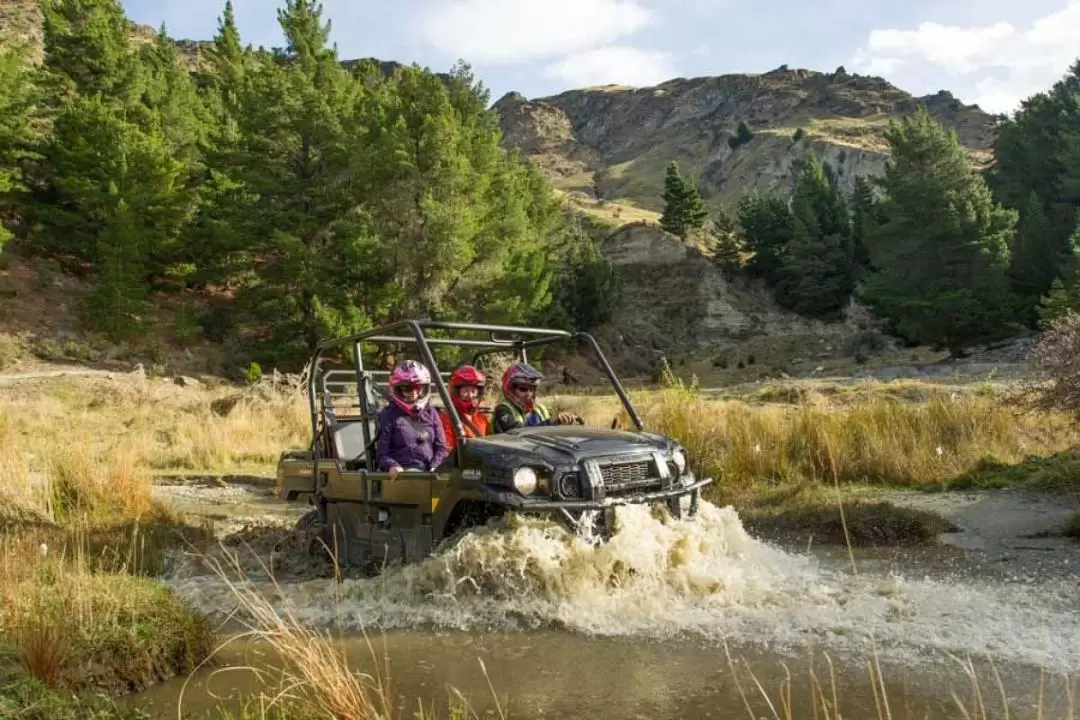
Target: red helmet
(520, 374)
(466, 376)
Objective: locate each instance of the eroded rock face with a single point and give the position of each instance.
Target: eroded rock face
(543, 132)
(676, 299)
(624, 137)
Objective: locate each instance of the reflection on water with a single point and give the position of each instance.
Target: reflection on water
(560, 675)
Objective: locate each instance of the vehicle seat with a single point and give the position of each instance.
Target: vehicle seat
(348, 432)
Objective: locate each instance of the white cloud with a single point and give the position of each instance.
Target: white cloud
(516, 30)
(618, 65)
(993, 65)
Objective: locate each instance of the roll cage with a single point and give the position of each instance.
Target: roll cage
(326, 425)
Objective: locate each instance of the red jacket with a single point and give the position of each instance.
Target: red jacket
(478, 419)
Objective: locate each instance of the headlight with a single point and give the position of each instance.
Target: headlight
(679, 458)
(525, 480)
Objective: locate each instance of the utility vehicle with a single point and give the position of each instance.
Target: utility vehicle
(576, 473)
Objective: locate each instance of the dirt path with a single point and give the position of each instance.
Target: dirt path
(231, 502)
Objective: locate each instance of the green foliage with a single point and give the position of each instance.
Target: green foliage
(1036, 261)
(798, 135)
(942, 250)
(817, 274)
(1037, 154)
(590, 291)
(684, 210)
(16, 133)
(743, 134)
(767, 229)
(1063, 295)
(322, 199)
(865, 216)
(729, 246)
(253, 374)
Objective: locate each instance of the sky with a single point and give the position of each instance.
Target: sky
(990, 52)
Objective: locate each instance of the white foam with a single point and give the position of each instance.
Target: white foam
(660, 578)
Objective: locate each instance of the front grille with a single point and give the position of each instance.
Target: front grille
(625, 473)
(623, 477)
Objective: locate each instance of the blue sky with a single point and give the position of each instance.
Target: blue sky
(991, 52)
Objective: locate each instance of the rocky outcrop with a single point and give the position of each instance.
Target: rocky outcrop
(543, 132)
(677, 300)
(618, 140)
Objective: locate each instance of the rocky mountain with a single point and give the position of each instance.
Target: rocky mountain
(612, 143)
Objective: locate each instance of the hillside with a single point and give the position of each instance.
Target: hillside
(218, 288)
(612, 143)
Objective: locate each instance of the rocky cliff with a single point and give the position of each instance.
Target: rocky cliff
(612, 143)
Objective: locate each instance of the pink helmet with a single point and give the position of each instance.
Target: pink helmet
(410, 373)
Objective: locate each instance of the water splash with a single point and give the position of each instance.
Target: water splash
(662, 578)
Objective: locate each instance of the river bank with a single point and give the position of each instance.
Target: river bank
(144, 471)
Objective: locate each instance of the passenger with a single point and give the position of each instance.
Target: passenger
(410, 432)
(466, 391)
(519, 407)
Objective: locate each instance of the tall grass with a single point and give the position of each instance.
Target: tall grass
(882, 440)
(314, 676)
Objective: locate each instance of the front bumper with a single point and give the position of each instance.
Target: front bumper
(516, 501)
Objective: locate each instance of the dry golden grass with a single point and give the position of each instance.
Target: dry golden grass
(314, 677)
(74, 444)
(79, 531)
(859, 437)
(81, 454)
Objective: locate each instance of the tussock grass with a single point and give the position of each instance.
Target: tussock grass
(81, 617)
(78, 627)
(882, 440)
(783, 452)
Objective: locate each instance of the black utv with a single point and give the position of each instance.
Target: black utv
(576, 473)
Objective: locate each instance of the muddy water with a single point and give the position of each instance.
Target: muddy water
(559, 675)
(637, 627)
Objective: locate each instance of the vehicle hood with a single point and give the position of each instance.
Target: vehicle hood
(560, 444)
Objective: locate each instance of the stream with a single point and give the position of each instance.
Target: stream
(669, 618)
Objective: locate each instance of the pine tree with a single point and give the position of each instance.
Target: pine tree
(88, 52)
(182, 123)
(729, 247)
(767, 228)
(817, 275)
(115, 306)
(17, 96)
(210, 240)
(1037, 151)
(1035, 261)
(591, 289)
(1064, 293)
(286, 190)
(942, 250)
(684, 210)
(865, 215)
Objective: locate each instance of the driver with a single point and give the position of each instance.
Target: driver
(519, 407)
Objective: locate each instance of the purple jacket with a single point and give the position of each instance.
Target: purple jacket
(412, 443)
